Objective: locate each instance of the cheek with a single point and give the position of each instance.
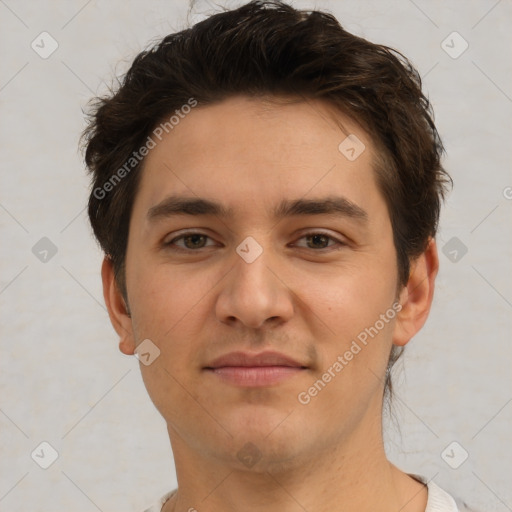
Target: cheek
(171, 308)
(353, 339)
(353, 354)
(161, 297)
(348, 300)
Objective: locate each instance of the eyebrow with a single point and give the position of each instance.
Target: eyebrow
(332, 205)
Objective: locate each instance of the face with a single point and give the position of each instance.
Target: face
(253, 233)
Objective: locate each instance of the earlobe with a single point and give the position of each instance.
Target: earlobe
(117, 308)
(416, 297)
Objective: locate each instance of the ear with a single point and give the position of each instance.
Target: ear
(117, 310)
(416, 297)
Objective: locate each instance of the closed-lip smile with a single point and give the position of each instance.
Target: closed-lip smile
(253, 370)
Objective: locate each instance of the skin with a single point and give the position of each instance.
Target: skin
(298, 297)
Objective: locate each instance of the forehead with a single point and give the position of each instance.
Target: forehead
(250, 153)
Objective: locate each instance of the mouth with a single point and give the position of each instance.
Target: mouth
(254, 370)
(254, 376)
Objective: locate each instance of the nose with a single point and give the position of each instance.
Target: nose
(254, 295)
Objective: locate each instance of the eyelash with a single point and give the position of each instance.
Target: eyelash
(338, 243)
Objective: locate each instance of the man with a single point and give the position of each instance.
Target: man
(266, 188)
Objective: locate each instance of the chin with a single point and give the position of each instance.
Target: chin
(264, 443)
(268, 456)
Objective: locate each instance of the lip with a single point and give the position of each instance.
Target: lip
(253, 370)
(247, 359)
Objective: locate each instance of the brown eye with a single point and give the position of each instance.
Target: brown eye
(317, 241)
(191, 241)
(194, 241)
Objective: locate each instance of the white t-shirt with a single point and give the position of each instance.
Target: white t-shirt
(437, 501)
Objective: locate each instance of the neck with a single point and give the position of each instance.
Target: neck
(354, 476)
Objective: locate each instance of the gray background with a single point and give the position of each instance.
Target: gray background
(62, 377)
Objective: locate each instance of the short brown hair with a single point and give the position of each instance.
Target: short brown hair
(268, 48)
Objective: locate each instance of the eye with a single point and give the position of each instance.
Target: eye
(319, 241)
(192, 240)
